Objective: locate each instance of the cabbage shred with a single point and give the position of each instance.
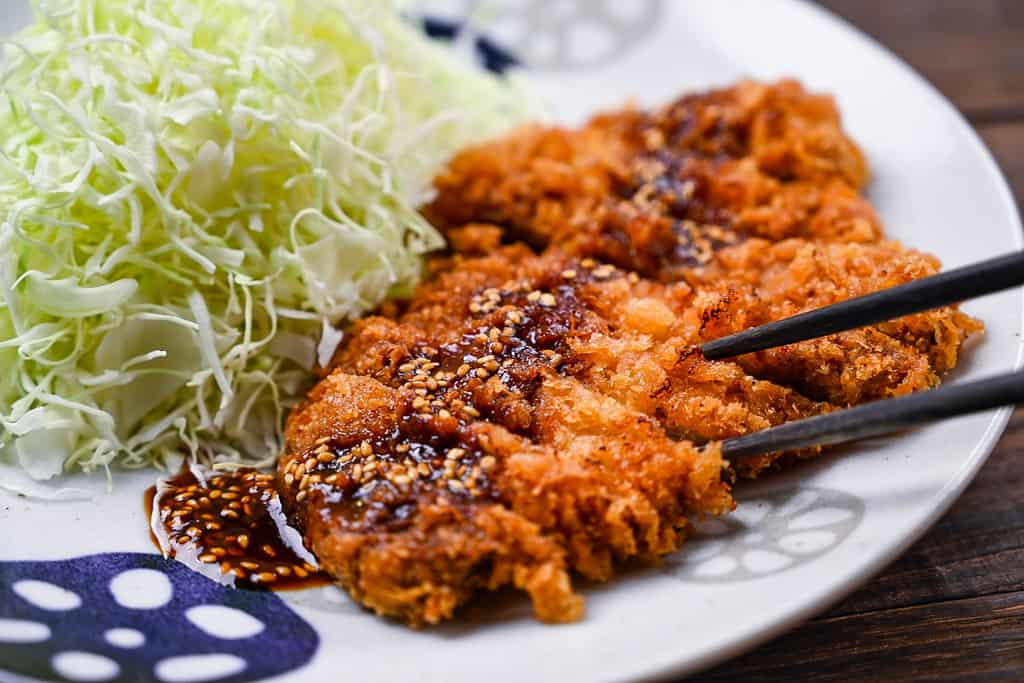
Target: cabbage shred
(192, 194)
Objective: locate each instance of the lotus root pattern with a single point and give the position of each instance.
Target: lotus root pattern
(768, 534)
(548, 35)
(111, 617)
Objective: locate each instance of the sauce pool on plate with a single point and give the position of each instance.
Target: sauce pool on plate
(231, 521)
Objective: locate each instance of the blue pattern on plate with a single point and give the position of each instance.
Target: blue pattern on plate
(285, 643)
(492, 56)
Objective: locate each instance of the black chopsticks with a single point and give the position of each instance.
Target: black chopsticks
(880, 417)
(891, 415)
(938, 290)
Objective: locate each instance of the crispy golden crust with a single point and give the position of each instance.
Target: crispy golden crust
(657, 193)
(463, 447)
(529, 415)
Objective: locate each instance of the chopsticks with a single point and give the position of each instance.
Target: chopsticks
(881, 417)
(891, 415)
(938, 290)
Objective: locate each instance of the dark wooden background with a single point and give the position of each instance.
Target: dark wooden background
(952, 608)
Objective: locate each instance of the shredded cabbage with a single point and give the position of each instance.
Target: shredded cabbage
(192, 194)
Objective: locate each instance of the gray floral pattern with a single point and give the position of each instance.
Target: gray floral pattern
(768, 534)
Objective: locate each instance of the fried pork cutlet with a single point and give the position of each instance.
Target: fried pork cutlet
(456, 449)
(540, 407)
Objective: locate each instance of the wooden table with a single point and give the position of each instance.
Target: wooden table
(952, 608)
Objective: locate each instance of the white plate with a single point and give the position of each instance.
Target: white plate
(798, 543)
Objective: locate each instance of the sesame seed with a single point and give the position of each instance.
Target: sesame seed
(301, 496)
(533, 297)
(208, 558)
(463, 369)
(481, 373)
(402, 480)
(325, 458)
(569, 274)
(301, 573)
(488, 463)
(269, 551)
(283, 570)
(456, 453)
(470, 410)
(243, 540)
(444, 414)
(249, 565)
(588, 263)
(547, 300)
(456, 486)
(266, 577)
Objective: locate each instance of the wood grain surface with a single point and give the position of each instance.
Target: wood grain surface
(952, 607)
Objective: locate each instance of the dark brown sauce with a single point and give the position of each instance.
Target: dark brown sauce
(520, 334)
(228, 524)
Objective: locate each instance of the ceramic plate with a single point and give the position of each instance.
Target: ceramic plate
(84, 597)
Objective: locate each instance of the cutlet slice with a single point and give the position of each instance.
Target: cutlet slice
(424, 469)
(760, 281)
(658, 193)
(376, 488)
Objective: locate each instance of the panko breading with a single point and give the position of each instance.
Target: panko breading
(540, 407)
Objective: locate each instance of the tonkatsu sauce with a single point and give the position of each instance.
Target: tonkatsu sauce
(228, 523)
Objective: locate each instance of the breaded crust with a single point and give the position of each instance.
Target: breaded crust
(540, 407)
